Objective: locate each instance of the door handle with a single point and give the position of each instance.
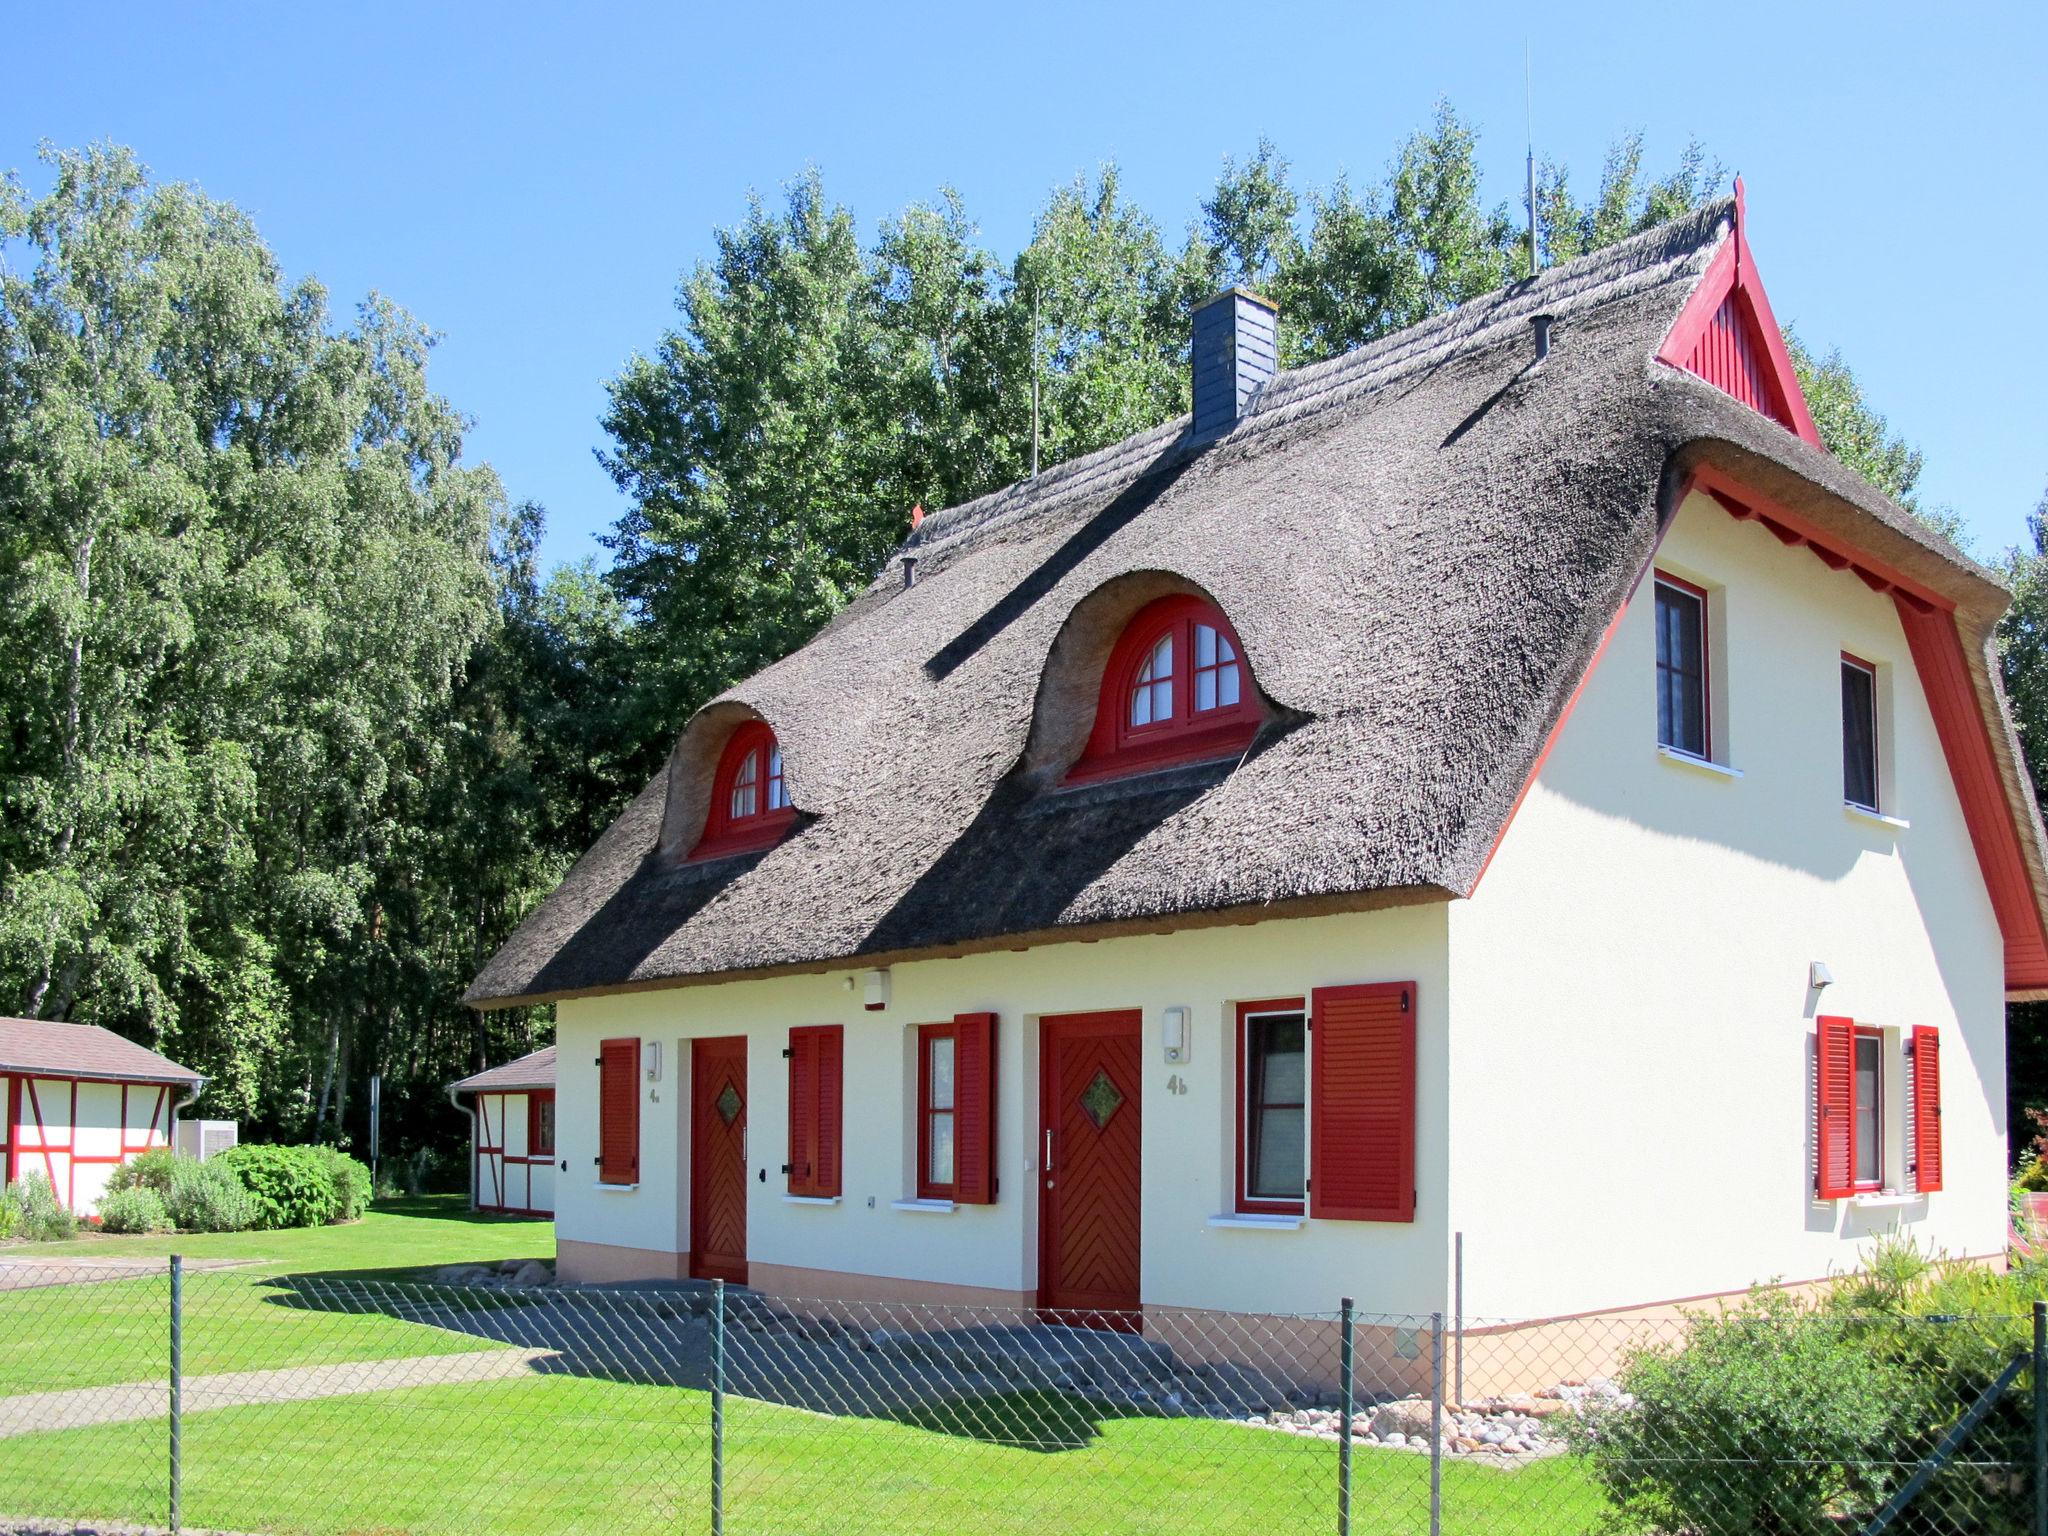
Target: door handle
(1048, 1149)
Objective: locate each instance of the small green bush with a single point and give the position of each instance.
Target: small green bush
(290, 1186)
(351, 1181)
(146, 1170)
(39, 1215)
(208, 1197)
(135, 1209)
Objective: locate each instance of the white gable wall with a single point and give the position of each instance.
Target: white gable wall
(1188, 1136)
(1631, 1022)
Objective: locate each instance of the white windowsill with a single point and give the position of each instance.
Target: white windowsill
(616, 1189)
(1872, 1200)
(1257, 1223)
(925, 1207)
(1702, 764)
(810, 1199)
(1857, 812)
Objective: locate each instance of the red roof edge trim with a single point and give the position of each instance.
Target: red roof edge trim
(1755, 342)
(1944, 669)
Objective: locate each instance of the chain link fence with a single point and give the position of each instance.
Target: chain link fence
(219, 1399)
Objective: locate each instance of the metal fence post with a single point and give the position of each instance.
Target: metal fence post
(718, 1408)
(177, 1393)
(1436, 1423)
(2041, 1418)
(1347, 1370)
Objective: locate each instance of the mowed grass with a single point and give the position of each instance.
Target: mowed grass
(557, 1453)
(261, 1315)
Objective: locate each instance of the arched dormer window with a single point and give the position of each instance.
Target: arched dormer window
(750, 806)
(1176, 690)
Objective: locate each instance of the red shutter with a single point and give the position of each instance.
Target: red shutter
(829, 1120)
(816, 1111)
(1926, 1110)
(974, 1108)
(618, 1112)
(803, 1109)
(1834, 1107)
(1362, 1103)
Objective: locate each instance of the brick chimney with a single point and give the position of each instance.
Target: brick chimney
(1235, 354)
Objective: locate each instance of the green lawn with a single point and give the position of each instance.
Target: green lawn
(555, 1453)
(246, 1318)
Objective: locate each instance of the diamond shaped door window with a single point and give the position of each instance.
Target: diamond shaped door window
(1100, 1099)
(727, 1104)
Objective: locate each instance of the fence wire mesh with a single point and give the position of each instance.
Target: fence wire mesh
(330, 1403)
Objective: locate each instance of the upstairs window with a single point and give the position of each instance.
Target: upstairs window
(1682, 668)
(1859, 733)
(1176, 690)
(750, 806)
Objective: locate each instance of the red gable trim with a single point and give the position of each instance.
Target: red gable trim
(1727, 335)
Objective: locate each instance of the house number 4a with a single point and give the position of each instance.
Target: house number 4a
(1176, 1084)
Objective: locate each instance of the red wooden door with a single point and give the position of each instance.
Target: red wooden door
(1089, 1144)
(718, 1159)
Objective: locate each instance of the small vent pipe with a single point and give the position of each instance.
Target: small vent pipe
(1541, 324)
(909, 571)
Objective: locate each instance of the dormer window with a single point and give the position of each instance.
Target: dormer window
(750, 806)
(1176, 690)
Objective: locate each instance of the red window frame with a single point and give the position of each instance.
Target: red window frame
(1115, 746)
(535, 1119)
(1699, 594)
(726, 833)
(1866, 1186)
(929, 1188)
(1247, 1203)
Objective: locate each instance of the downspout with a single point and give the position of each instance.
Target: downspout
(468, 1112)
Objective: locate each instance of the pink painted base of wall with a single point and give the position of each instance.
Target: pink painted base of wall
(790, 1282)
(581, 1263)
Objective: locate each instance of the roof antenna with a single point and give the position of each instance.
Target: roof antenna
(1529, 111)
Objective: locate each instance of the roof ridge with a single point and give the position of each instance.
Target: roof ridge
(1294, 391)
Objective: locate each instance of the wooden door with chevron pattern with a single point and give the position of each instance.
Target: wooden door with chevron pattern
(1089, 1181)
(718, 1159)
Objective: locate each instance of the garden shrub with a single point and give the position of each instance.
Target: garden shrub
(208, 1197)
(38, 1215)
(290, 1186)
(146, 1170)
(351, 1181)
(137, 1208)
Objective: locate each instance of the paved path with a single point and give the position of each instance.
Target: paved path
(35, 1412)
(27, 1274)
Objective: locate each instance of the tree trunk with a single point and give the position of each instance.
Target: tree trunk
(327, 1080)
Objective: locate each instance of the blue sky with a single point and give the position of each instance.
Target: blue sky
(532, 181)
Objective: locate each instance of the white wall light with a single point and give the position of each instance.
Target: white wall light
(650, 1057)
(1174, 1030)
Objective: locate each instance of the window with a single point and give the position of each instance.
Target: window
(1866, 1144)
(937, 1101)
(1175, 690)
(750, 807)
(1272, 1119)
(1682, 667)
(618, 1111)
(540, 1125)
(1859, 733)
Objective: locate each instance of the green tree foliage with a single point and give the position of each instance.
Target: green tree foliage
(244, 583)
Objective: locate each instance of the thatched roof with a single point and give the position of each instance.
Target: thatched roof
(1419, 543)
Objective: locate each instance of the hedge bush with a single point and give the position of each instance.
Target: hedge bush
(146, 1170)
(208, 1197)
(137, 1208)
(36, 1213)
(351, 1181)
(290, 1186)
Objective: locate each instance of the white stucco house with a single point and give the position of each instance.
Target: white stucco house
(511, 1111)
(1507, 781)
(80, 1101)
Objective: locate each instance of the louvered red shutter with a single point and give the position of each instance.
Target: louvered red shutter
(974, 1108)
(1926, 1110)
(1834, 1107)
(829, 1119)
(618, 1112)
(1362, 1103)
(803, 1109)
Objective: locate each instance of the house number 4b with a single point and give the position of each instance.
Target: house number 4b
(1176, 1084)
